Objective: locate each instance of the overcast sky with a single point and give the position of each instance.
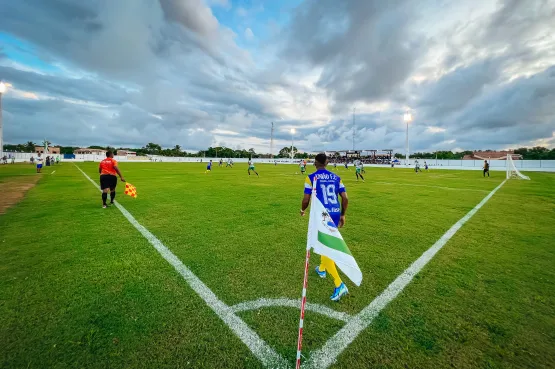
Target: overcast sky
(476, 74)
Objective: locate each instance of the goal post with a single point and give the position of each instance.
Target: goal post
(512, 172)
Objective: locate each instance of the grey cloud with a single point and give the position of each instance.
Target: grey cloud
(108, 37)
(171, 72)
(476, 101)
(518, 32)
(525, 102)
(517, 22)
(366, 52)
(501, 116)
(54, 16)
(456, 89)
(192, 14)
(82, 125)
(55, 119)
(86, 89)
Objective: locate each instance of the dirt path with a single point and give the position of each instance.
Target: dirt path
(13, 190)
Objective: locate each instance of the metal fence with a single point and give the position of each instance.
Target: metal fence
(524, 165)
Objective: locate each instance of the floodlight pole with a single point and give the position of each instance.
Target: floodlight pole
(292, 141)
(1, 131)
(407, 146)
(272, 141)
(407, 118)
(2, 90)
(354, 128)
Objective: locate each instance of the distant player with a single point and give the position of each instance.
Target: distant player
(416, 166)
(486, 168)
(346, 165)
(39, 163)
(221, 162)
(58, 159)
(275, 163)
(425, 166)
(208, 167)
(303, 167)
(358, 169)
(334, 165)
(229, 163)
(108, 169)
(251, 167)
(329, 190)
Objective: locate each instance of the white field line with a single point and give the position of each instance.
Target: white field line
(327, 355)
(53, 172)
(431, 186)
(259, 348)
(285, 302)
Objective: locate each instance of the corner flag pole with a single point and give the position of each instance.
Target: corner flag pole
(303, 303)
(305, 284)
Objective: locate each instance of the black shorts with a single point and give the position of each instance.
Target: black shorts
(108, 181)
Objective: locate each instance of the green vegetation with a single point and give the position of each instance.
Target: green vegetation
(81, 287)
(535, 153)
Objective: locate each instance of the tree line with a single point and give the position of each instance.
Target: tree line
(156, 149)
(442, 155)
(534, 153)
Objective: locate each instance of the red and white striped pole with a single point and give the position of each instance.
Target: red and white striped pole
(305, 283)
(303, 303)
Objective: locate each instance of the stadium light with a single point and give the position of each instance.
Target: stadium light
(292, 138)
(407, 117)
(3, 88)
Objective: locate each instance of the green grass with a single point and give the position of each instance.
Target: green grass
(80, 287)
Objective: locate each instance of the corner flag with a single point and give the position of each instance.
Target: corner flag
(325, 239)
(130, 190)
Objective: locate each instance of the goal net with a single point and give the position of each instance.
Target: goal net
(512, 172)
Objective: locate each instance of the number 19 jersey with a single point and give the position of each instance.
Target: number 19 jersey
(328, 188)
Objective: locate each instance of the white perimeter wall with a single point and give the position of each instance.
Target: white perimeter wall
(523, 165)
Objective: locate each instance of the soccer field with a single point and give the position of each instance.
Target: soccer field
(82, 286)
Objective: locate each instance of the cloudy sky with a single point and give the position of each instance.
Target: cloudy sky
(475, 74)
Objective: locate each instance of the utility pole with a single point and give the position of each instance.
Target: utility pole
(2, 91)
(354, 129)
(407, 117)
(292, 142)
(272, 142)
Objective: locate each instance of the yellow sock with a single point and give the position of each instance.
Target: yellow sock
(329, 266)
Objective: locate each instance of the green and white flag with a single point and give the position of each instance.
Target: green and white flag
(325, 239)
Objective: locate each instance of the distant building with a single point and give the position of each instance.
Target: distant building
(126, 153)
(491, 155)
(51, 150)
(87, 151)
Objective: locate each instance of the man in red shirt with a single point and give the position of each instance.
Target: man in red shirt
(108, 169)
